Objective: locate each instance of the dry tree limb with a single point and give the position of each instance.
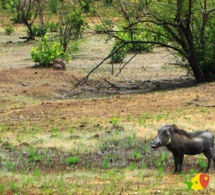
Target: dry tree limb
(98, 65)
(205, 105)
(111, 84)
(126, 64)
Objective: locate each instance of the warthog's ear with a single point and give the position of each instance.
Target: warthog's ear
(171, 128)
(167, 131)
(174, 126)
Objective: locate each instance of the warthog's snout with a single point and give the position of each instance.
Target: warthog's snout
(155, 144)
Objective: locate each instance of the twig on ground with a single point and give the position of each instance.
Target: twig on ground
(204, 105)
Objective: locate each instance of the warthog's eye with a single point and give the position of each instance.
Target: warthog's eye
(166, 132)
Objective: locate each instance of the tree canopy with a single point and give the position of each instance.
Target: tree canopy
(185, 26)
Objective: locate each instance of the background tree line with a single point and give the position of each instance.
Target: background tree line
(185, 27)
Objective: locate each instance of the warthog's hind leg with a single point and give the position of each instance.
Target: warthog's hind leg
(209, 155)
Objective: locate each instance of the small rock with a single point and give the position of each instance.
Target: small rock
(25, 154)
(100, 153)
(24, 85)
(59, 64)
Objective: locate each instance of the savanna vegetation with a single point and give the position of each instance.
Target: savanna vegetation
(131, 66)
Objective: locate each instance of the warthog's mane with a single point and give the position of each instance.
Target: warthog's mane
(181, 131)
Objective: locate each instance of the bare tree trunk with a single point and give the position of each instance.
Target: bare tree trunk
(41, 12)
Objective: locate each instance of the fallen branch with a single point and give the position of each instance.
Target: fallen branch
(204, 105)
(111, 84)
(87, 76)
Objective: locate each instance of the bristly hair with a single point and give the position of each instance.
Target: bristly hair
(180, 131)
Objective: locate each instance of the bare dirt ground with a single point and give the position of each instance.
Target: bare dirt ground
(107, 122)
(146, 72)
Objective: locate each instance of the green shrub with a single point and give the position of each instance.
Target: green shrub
(74, 46)
(8, 29)
(71, 24)
(17, 18)
(39, 30)
(201, 162)
(135, 39)
(53, 5)
(72, 160)
(52, 26)
(132, 41)
(118, 54)
(47, 51)
(105, 164)
(108, 2)
(86, 6)
(105, 26)
(33, 156)
(136, 156)
(2, 188)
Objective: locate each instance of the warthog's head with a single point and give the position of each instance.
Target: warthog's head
(163, 138)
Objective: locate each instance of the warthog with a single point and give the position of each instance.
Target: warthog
(180, 142)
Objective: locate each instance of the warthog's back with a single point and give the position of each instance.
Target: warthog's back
(203, 135)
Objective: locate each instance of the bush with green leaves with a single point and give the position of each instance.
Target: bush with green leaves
(130, 41)
(106, 25)
(118, 54)
(39, 30)
(134, 38)
(72, 160)
(71, 23)
(8, 29)
(16, 18)
(86, 6)
(52, 26)
(108, 2)
(16, 7)
(47, 51)
(53, 5)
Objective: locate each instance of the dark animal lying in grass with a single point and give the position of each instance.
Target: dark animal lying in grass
(180, 142)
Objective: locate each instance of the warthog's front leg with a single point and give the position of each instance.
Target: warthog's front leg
(175, 155)
(180, 161)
